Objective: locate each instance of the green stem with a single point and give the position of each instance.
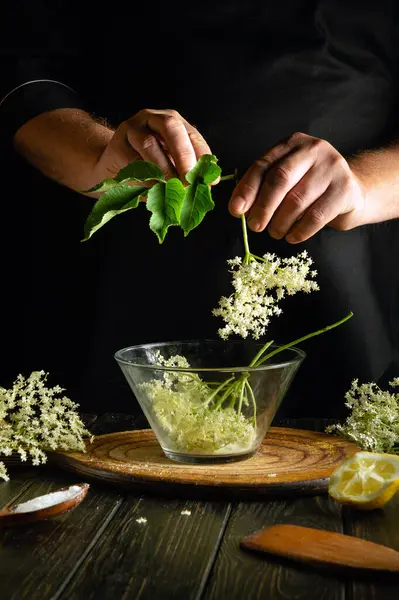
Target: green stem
(245, 238)
(258, 257)
(241, 397)
(261, 351)
(227, 393)
(305, 337)
(215, 392)
(228, 177)
(253, 400)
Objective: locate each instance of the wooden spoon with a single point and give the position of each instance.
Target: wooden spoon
(323, 548)
(44, 507)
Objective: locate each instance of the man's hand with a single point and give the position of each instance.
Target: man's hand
(297, 187)
(71, 147)
(163, 137)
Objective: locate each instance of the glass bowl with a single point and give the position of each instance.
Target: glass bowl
(203, 404)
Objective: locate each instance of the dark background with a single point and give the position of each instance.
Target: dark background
(248, 75)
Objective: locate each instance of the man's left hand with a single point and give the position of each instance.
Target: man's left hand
(297, 187)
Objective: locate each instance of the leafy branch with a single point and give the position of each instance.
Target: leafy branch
(170, 202)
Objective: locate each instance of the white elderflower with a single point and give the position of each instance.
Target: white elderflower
(180, 404)
(260, 284)
(374, 420)
(176, 378)
(35, 418)
(3, 472)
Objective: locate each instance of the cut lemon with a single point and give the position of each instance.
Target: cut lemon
(366, 480)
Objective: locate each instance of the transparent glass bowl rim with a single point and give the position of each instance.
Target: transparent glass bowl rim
(300, 356)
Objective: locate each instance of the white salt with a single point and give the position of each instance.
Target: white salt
(186, 512)
(48, 500)
(272, 475)
(141, 520)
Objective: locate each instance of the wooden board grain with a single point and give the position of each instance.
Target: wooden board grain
(35, 559)
(288, 461)
(156, 548)
(239, 574)
(382, 527)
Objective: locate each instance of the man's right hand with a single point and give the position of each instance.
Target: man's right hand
(163, 137)
(71, 147)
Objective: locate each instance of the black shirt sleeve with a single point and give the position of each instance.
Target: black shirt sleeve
(32, 98)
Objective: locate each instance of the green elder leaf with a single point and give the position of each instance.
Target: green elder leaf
(165, 202)
(205, 171)
(115, 201)
(197, 202)
(140, 170)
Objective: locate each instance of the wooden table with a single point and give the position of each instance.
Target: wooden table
(100, 550)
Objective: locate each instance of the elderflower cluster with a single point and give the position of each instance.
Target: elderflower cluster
(260, 284)
(180, 378)
(179, 403)
(3, 472)
(194, 427)
(374, 420)
(35, 418)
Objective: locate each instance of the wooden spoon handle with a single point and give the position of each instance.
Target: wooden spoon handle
(323, 548)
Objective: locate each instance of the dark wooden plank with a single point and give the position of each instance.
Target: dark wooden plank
(20, 481)
(35, 559)
(382, 527)
(239, 574)
(145, 560)
(168, 556)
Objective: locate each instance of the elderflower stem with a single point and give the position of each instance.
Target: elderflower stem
(261, 351)
(245, 238)
(215, 392)
(241, 397)
(228, 392)
(305, 337)
(258, 257)
(253, 400)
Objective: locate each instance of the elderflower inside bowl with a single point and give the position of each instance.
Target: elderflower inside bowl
(203, 403)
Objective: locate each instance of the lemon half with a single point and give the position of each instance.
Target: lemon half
(366, 480)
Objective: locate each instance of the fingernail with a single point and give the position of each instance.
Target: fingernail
(238, 205)
(291, 239)
(275, 234)
(254, 224)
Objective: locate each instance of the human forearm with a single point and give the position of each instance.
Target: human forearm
(69, 146)
(64, 145)
(378, 172)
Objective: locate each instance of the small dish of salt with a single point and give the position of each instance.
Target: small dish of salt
(44, 507)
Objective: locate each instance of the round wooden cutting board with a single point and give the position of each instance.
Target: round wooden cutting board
(288, 461)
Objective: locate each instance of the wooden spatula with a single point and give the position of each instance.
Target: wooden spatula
(323, 548)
